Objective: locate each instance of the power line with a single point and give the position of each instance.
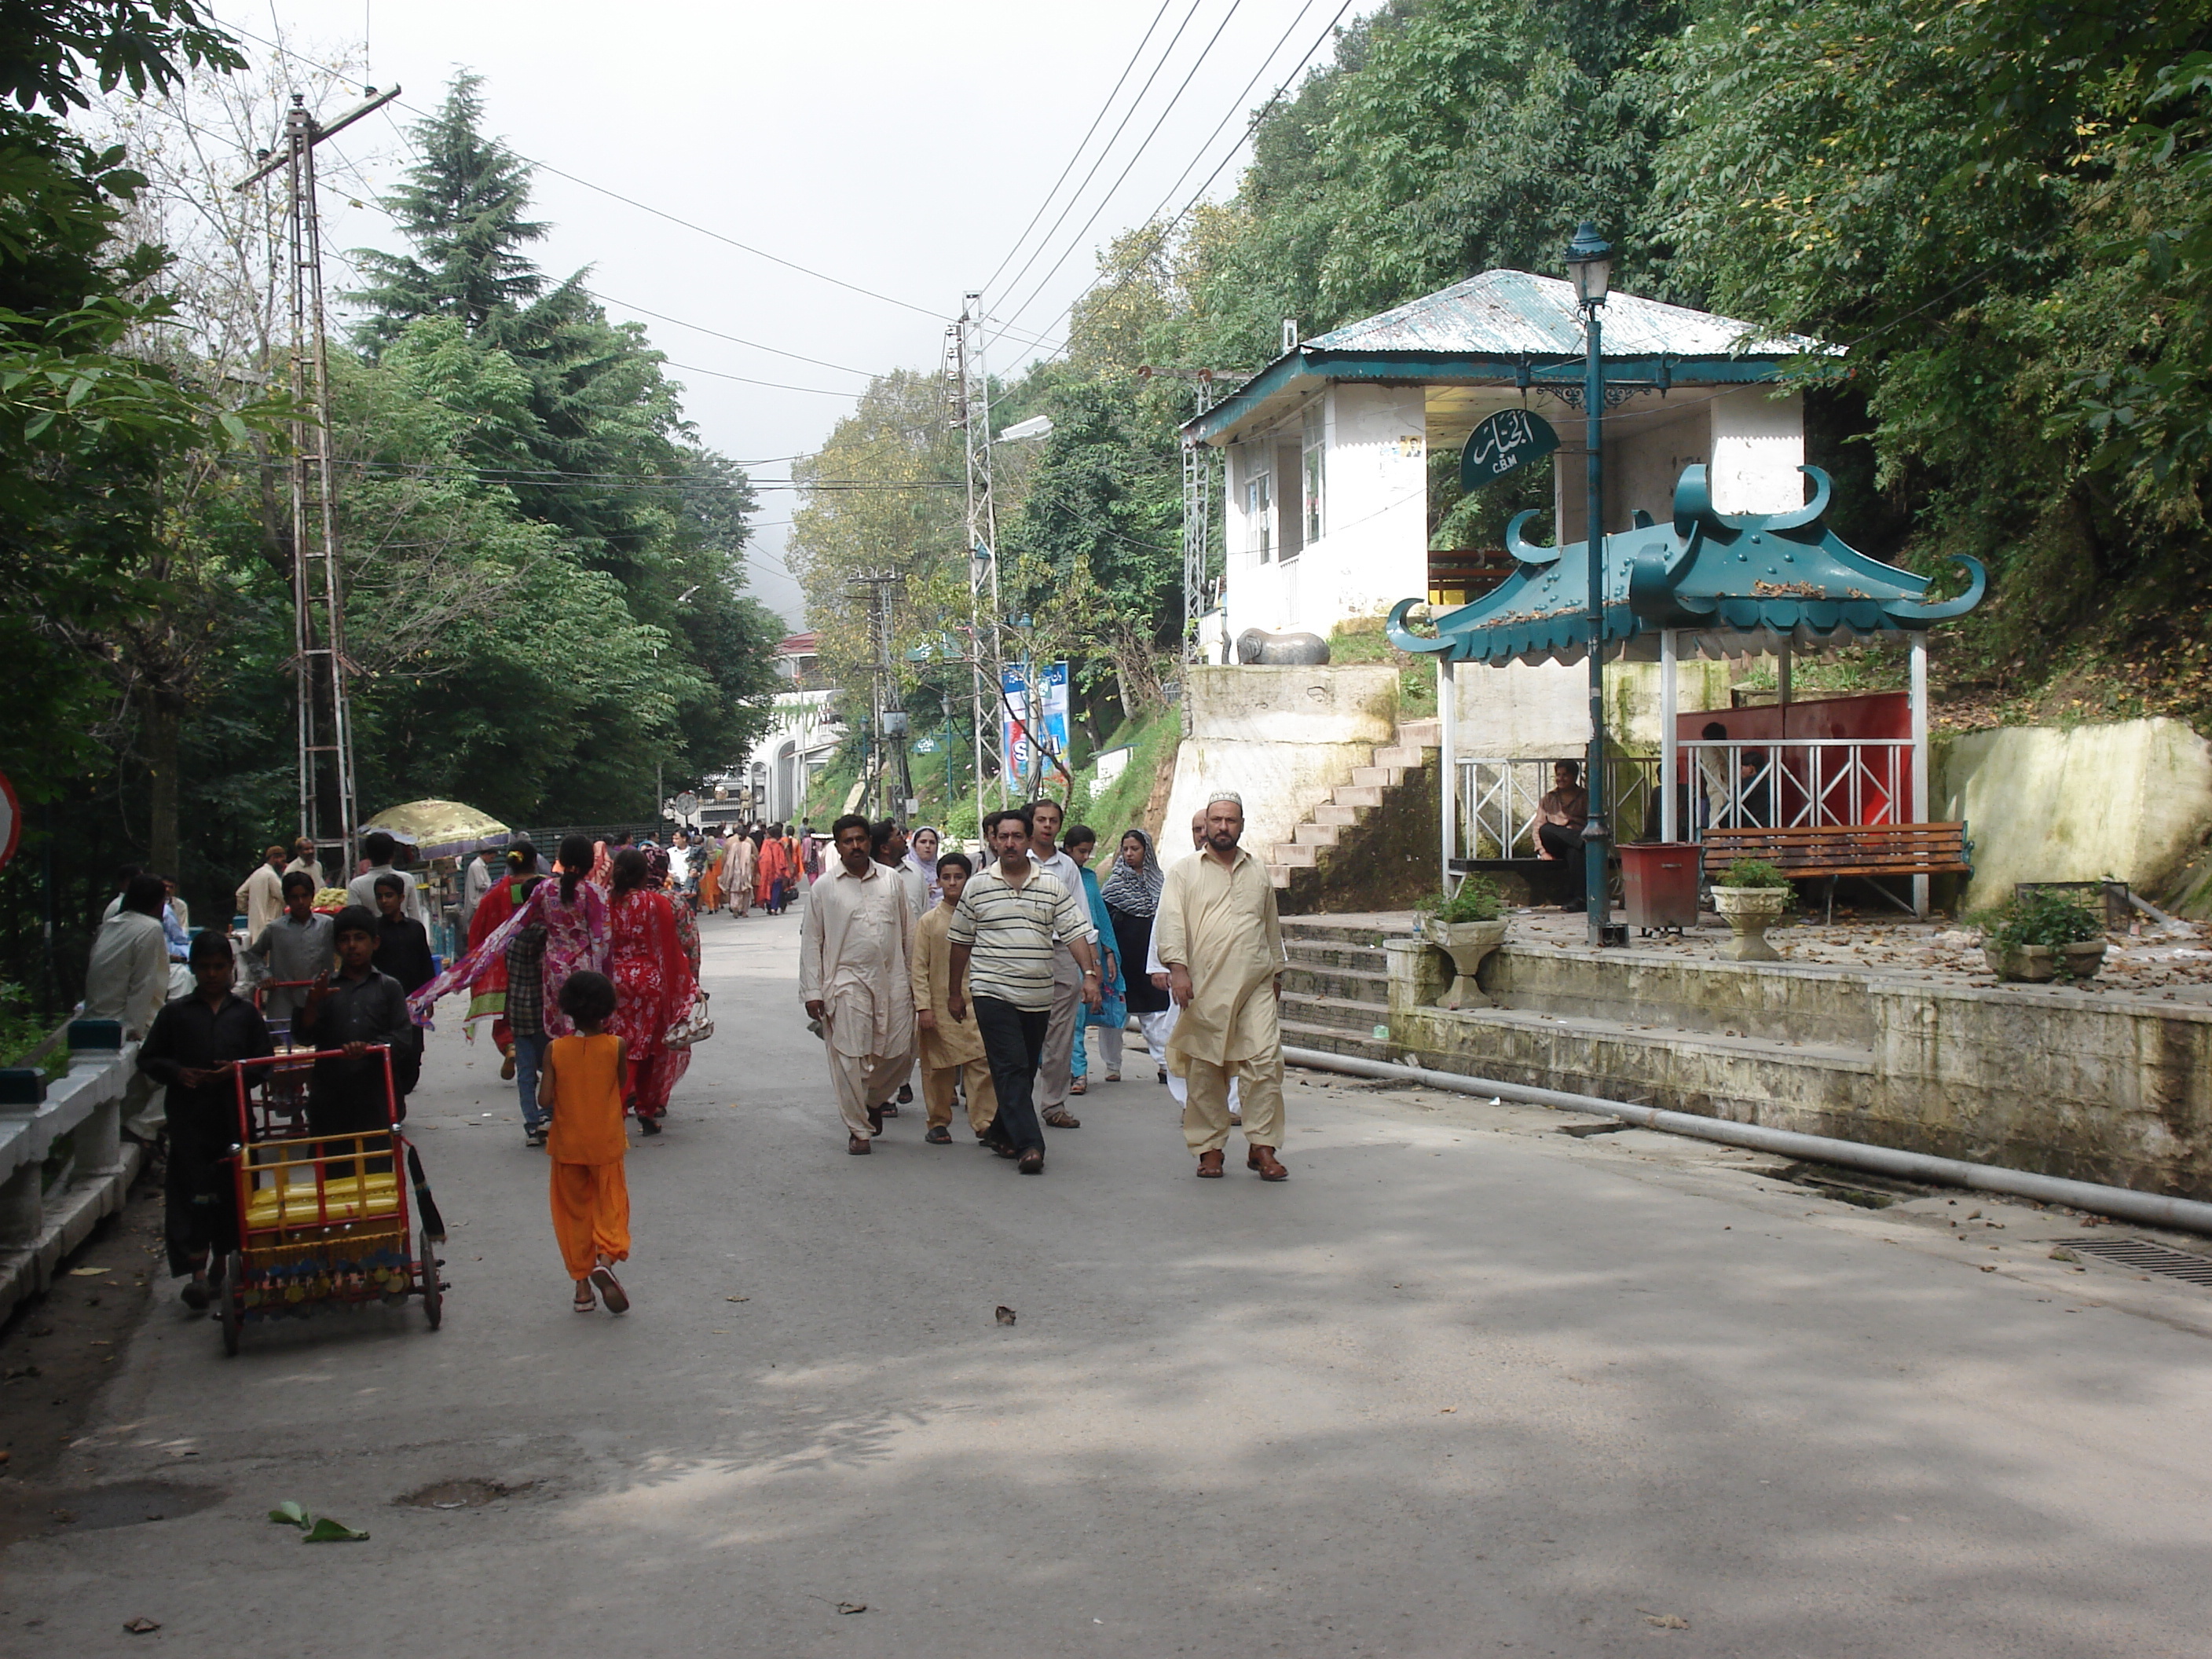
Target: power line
(629, 201)
(990, 282)
(1197, 63)
(701, 328)
(1160, 238)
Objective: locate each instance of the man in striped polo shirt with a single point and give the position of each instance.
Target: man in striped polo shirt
(1002, 935)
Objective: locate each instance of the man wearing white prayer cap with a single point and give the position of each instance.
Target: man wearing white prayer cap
(1222, 941)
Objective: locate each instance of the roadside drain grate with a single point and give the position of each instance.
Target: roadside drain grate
(2147, 1257)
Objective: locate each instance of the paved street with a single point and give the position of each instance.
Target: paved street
(1466, 1385)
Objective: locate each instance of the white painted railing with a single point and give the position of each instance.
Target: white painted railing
(1806, 782)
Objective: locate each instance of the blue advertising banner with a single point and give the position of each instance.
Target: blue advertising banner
(1051, 719)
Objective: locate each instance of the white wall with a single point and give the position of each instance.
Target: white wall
(1758, 445)
(1373, 549)
(1282, 738)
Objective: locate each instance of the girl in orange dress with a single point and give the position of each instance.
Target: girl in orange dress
(580, 1090)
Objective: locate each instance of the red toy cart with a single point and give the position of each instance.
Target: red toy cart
(324, 1220)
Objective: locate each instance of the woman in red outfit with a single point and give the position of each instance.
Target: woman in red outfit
(488, 992)
(653, 985)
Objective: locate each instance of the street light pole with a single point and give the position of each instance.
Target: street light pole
(1590, 263)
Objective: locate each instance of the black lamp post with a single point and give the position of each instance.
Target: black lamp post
(1590, 264)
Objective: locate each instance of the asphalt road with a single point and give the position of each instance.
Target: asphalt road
(1463, 1386)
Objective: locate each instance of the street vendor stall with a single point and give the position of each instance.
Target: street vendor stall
(443, 835)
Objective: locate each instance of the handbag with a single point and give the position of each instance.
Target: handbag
(696, 1025)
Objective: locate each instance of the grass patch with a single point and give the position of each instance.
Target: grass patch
(1361, 639)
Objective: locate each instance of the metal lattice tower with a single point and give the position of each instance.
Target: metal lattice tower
(329, 803)
(1198, 462)
(968, 385)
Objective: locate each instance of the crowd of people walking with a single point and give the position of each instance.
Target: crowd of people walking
(983, 977)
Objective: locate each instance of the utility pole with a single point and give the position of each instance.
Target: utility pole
(328, 811)
(968, 385)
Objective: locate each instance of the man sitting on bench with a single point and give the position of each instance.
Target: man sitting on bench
(1560, 817)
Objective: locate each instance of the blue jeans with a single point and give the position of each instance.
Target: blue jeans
(529, 1055)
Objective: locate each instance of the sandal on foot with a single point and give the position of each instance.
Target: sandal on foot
(1032, 1163)
(939, 1136)
(905, 1094)
(648, 1125)
(195, 1295)
(1209, 1166)
(859, 1146)
(610, 1290)
(1078, 1087)
(507, 1066)
(1113, 1077)
(585, 1302)
(1260, 1160)
(1061, 1118)
(876, 1119)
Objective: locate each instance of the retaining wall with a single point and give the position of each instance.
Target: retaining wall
(2084, 1084)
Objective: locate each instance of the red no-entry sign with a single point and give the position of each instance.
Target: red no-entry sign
(11, 820)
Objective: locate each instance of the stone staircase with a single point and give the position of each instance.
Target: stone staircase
(1337, 990)
(1372, 845)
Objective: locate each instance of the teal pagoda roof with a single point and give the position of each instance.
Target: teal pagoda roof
(1785, 576)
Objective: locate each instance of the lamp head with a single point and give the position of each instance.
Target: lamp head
(1590, 264)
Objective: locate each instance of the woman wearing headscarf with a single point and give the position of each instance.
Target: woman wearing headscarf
(710, 857)
(1131, 894)
(774, 873)
(654, 983)
(487, 994)
(922, 851)
(661, 878)
(738, 873)
(572, 913)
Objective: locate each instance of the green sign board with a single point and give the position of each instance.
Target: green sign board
(1508, 439)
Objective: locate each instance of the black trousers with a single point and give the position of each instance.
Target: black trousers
(200, 1195)
(1566, 845)
(1013, 1043)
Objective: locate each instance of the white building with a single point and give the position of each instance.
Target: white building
(1328, 448)
(774, 776)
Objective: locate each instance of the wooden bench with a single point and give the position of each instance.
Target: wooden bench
(1834, 850)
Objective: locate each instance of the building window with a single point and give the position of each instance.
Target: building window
(1311, 471)
(1259, 517)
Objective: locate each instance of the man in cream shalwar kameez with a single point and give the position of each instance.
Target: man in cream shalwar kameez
(1219, 933)
(853, 977)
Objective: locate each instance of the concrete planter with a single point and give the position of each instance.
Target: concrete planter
(1749, 912)
(1468, 944)
(2034, 964)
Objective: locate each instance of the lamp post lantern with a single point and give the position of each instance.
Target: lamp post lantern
(1590, 264)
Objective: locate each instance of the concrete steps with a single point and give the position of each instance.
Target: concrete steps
(1335, 1039)
(1413, 749)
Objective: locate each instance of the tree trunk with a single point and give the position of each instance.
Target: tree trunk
(165, 727)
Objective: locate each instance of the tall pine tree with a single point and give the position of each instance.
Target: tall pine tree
(462, 207)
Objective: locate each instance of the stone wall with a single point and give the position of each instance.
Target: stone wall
(2131, 798)
(1282, 738)
(2087, 1086)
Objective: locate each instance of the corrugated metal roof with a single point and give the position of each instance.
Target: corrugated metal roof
(1513, 313)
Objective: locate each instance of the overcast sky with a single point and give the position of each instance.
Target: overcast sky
(900, 147)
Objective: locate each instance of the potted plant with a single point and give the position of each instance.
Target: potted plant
(1467, 925)
(2039, 936)
(1751, 896)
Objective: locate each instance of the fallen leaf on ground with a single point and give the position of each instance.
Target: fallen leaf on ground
(142, 1626)
(737, 1298)
(1446, 1411)
(290, 1515)
(1005, 1315)
(852, 1607)
(2062, 1254)
(89, 1273)
(327, 1531)
(1665, 1620)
